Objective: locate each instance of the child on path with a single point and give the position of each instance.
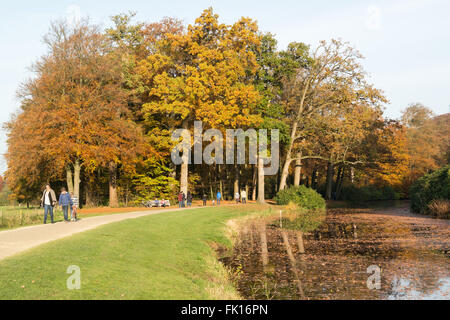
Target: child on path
(75, 204)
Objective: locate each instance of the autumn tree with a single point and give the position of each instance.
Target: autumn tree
(202, 74)
(78, 95)
(333, 79)
(427, 141)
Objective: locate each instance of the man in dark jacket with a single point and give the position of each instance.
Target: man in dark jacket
(189, 199)
(65, 202)
(48, 201)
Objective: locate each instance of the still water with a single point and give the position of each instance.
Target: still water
(407, 256)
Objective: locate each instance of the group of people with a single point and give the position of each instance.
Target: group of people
(241, 197)
(66, 202)
(186, 200)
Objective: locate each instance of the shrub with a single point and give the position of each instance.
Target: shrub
(302, 196)
(431, 187)
(440, 208)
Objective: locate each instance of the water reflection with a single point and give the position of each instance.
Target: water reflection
(336, 261)
(405, 289)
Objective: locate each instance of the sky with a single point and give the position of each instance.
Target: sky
(406, 43)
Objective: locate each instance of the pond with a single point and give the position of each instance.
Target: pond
(358, 253)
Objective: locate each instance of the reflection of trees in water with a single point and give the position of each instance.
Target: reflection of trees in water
(407, 289)
(428, 278)
(272, 266)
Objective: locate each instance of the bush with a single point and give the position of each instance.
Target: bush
(303, 197)
(434, 186)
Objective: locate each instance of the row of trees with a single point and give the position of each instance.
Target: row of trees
(99, 113)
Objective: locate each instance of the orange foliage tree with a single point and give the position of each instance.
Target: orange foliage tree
(80, 112)
(203, 74)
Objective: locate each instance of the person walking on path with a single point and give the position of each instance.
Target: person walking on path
(219, 197)
(237, 197)
(75, 205)
(244, 197)
(205, 199)
(189, 199)
(184, 200)
(48, 201)
(65, 202)
(180, 200)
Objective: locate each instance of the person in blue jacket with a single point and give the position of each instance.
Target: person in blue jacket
(219, 197)
(65, 202)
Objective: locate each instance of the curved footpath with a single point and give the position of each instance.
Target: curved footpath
(15, 241)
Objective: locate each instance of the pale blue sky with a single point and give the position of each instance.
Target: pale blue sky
(406, 42)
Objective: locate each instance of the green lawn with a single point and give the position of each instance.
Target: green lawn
(164, 256)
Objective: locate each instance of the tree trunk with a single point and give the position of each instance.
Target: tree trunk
(69, 178)
(353, 175)
(236, 180)
(184, 178)
(77, 179)
(294, 130)
(340, 184)
(211, 184)
(89, 196)
(255, 181)
(221, 182)
(261, 177)
(285, 173)
(113, 199)
(184, 166)
(329, 183)
(298, 170)
(314, 179)
(338, 179)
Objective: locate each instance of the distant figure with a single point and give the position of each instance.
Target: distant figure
(157, 203)
(163, 203)
(244, 197)
(219, 197)
(214, 202)
(205, 199)
(180, 200)
(237, 197)
(75, 205)
(65, 202)
(48, 201)
(184, 200)
(189, 199)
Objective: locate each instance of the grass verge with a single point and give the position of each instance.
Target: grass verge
(164, 256)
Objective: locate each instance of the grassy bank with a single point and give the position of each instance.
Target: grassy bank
(165, 256)
(15, 217)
